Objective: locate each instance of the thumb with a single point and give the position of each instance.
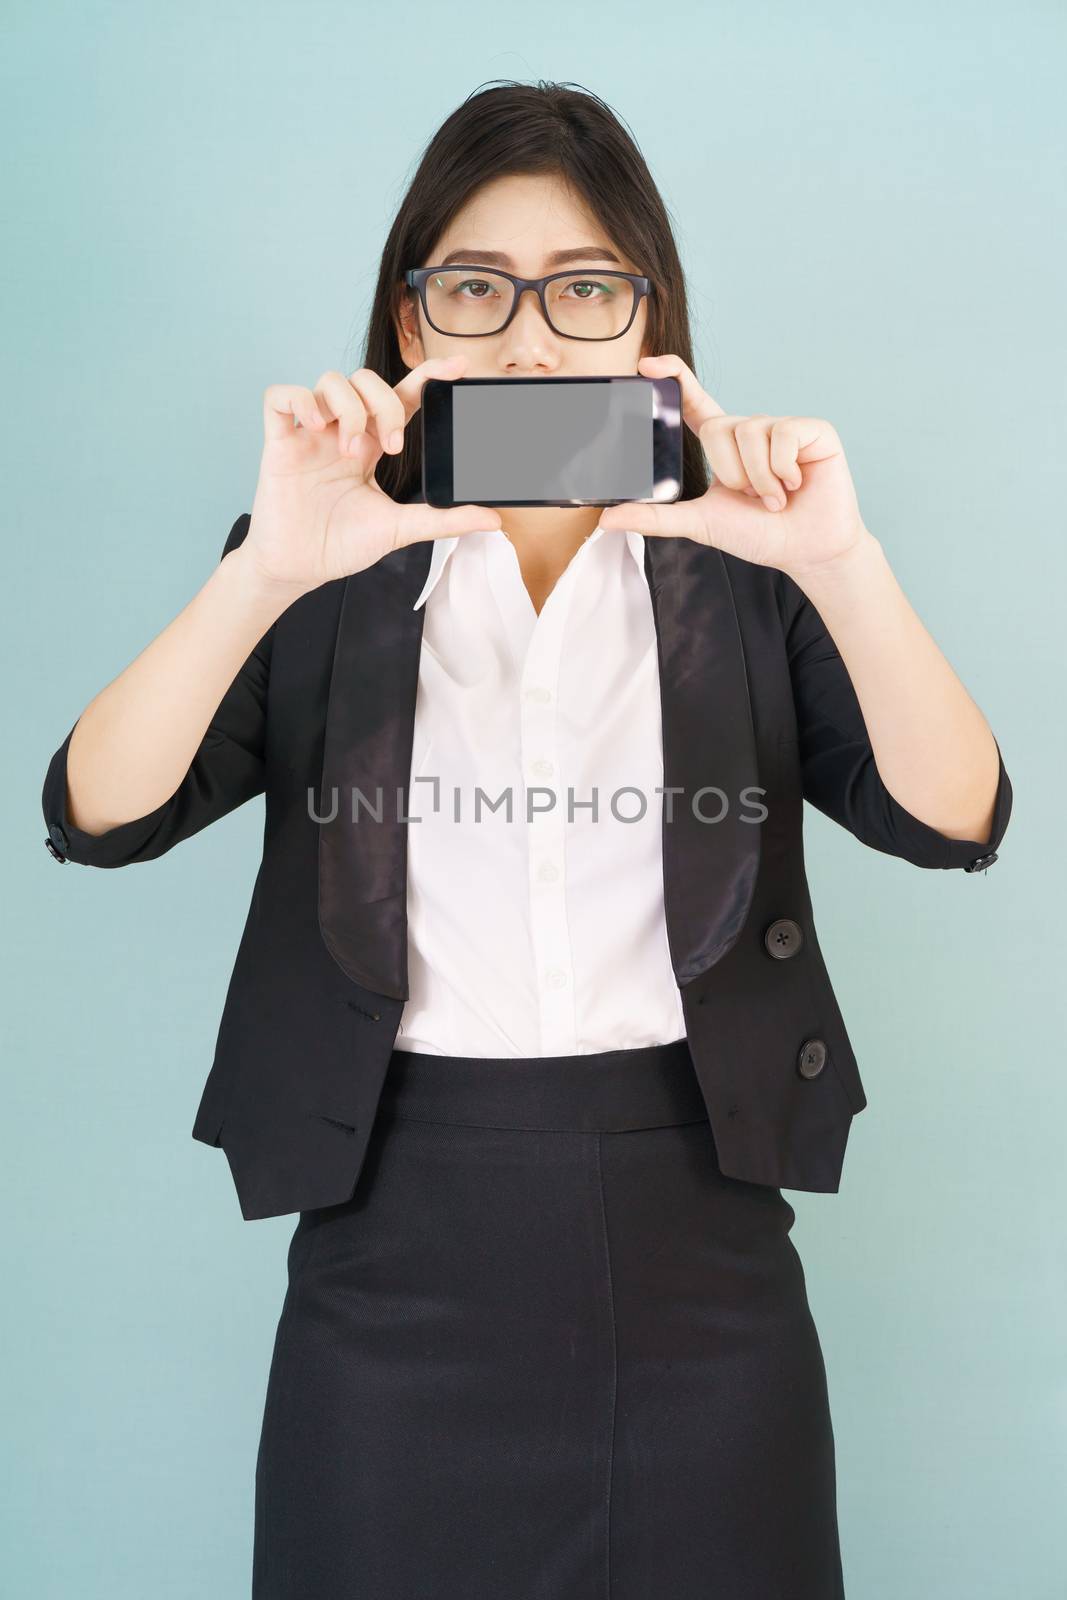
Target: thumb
(471, 519)
(418, 521)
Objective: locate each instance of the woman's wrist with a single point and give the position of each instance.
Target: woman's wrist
(864, 564)
(263, 597)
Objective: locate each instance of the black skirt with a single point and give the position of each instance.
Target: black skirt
(546, 1352)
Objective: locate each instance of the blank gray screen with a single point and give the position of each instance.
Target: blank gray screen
(547, 442)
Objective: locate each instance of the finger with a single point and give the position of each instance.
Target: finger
(785, 447)
(753, 436)
(674, 520)
(384, 410)
(718, 441)
(697, 405)
(417, 521)
(342, 404)
(815, 439)
(286, 404)
(720, 519)
(409, 389)
(408, 392)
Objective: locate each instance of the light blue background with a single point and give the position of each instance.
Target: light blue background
(870, 209)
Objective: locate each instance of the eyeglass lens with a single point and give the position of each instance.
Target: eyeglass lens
(583, 305)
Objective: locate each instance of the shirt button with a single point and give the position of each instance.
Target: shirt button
(555, 977)
(538, 694)
(547, 873)
(543, 769)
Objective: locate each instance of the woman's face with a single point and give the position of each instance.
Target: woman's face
(525, 222)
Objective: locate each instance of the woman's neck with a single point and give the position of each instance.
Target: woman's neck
(546, 539)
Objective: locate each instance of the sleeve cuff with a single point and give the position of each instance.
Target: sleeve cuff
(932, 848)
(65, 842)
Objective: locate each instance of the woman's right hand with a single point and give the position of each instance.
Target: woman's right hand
(318, 514)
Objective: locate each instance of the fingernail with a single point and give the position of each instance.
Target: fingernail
(396, 439)
(772, 502)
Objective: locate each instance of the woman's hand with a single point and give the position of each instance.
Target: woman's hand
(318, 514)
(757, 461)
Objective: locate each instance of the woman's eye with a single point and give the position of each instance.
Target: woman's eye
(584, 284)
(478, 283)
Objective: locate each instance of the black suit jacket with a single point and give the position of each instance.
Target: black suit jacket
(754, 696)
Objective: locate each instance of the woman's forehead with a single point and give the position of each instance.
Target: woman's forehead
(527, 220)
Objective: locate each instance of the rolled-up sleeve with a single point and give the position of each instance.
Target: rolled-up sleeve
(227, 769)
(840, 776)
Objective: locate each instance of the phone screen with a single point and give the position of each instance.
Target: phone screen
(552, 441)
(577, 441)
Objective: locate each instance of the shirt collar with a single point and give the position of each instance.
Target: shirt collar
(443, 548)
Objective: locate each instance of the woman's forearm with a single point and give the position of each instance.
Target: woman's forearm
(934, 750)
(134, 743)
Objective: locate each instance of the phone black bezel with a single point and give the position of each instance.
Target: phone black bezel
(667, 426)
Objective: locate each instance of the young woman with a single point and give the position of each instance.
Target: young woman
(534, 1082)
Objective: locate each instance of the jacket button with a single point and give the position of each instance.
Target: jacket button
(981, 863)
(783, 938)
(54, 853)
(58, 837)
(812, 1058)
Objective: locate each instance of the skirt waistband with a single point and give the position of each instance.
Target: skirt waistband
(609, 1091)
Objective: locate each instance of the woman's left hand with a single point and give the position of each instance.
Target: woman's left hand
(757, 463)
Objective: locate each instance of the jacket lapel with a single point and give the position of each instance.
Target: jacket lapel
(370, 726)
(709, 868)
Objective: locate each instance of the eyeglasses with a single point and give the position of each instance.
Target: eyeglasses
(469, 302)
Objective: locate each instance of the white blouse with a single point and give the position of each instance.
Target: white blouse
(537, 935)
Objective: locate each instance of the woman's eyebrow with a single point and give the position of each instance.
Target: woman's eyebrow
(558, 258)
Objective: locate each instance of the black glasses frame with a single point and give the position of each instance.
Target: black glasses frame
(415, 278)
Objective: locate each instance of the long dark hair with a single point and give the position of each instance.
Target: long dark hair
(549, 129)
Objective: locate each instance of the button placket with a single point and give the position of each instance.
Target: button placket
(546, 834)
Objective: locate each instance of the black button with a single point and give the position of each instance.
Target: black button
(54, 853)
(58, 837)
(812, 1058)
(783, 938)
(981, 862)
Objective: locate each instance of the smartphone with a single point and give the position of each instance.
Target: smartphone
(551, 441)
